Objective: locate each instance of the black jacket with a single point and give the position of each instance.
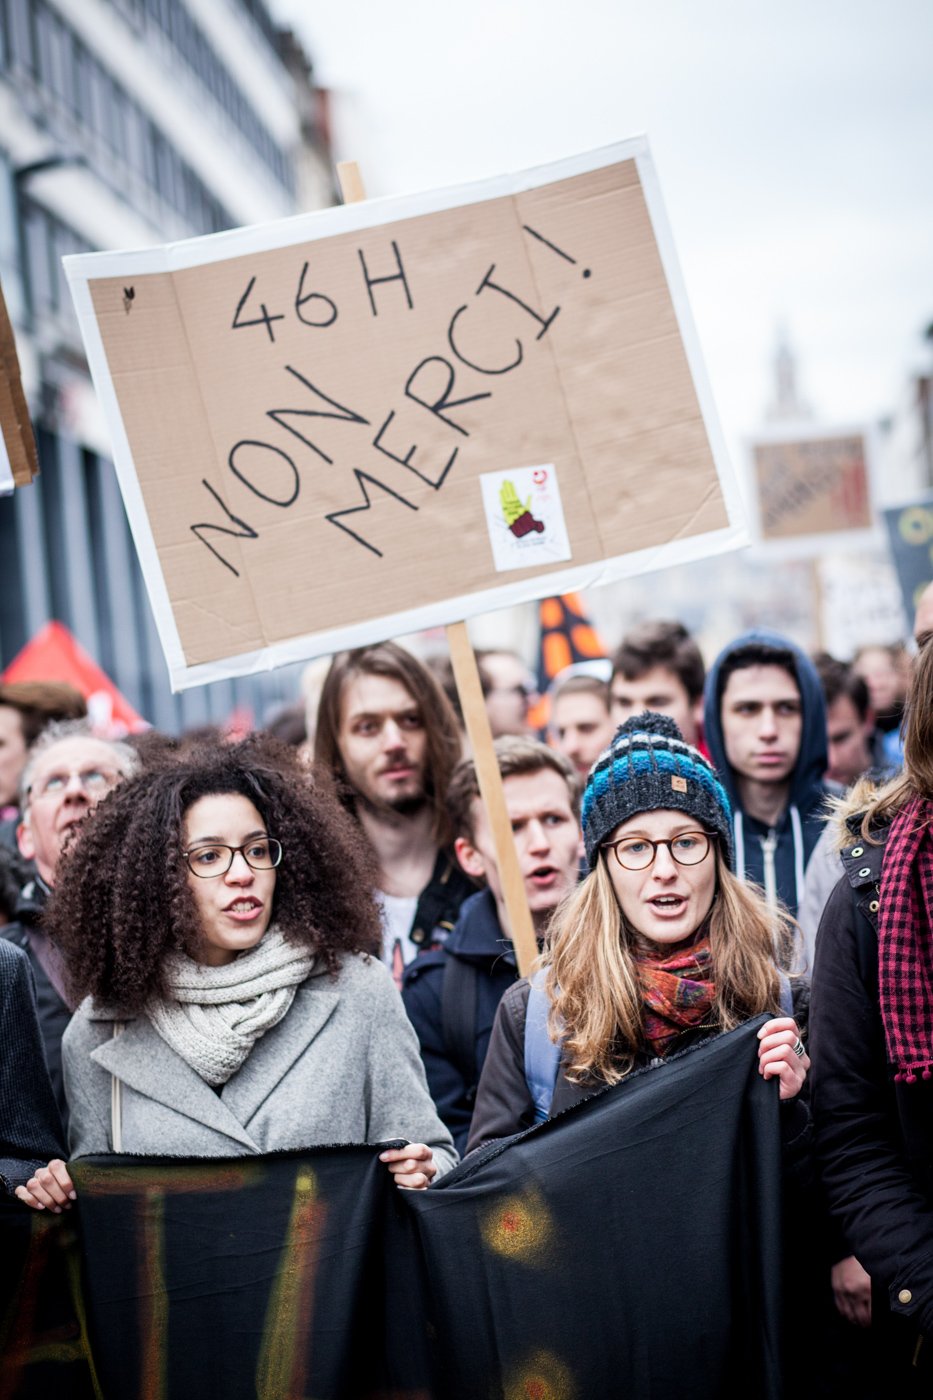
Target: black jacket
(874, 1138)
(54, 1014)
(30, 1129)
(478, 945)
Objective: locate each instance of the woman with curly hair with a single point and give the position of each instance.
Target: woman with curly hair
(216, 918)
(658, 948)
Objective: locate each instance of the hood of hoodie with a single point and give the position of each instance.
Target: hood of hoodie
(807, 786)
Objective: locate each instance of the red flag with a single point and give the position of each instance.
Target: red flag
(53, 654)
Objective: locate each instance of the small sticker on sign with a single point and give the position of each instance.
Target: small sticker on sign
(524, 517)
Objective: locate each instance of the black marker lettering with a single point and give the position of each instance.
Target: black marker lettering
(554, 248)
(471, 364)
(438, 404)
(548, 244)
(343, 414)
(362, 477)
(392, 277)
(263, 319)
(544, 324)
(302, 298)
(406, 460)
(251, 485)
(245, 532)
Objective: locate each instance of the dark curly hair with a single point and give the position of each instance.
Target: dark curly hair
(122, 902)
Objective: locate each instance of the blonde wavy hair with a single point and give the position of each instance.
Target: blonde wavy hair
(592, 982)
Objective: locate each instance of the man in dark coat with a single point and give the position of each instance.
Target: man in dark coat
(451, 994)
(30, 1127)
(67, 772)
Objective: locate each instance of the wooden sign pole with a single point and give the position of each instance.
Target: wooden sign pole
(466, 674)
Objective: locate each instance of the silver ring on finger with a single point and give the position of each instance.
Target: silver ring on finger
(798, 1049)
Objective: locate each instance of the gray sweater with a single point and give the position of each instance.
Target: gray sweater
(342, 1066)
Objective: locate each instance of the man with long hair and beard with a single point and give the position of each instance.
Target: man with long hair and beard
(388, 735)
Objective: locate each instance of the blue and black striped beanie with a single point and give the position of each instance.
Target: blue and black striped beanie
(648, 767)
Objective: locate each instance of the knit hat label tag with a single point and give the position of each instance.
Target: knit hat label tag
(677, 783)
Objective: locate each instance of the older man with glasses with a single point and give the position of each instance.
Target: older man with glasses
(67, 772)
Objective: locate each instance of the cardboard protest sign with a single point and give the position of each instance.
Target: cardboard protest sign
(910, 538)
(396, 414)
(19, 463)
(815, 485)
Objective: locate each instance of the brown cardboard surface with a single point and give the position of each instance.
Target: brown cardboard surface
(815, 486)
(228, 426)
(15, 424)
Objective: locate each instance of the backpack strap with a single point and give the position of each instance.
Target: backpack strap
(459, 1008)
(439, 902)
(542, 1056)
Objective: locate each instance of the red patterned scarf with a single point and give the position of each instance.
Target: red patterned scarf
(905, 946)
(677, 993)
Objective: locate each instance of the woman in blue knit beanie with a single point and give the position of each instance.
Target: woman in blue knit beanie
(659, 947)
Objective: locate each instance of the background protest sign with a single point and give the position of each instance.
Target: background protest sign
(910, 539)
(811, 484)
(302, 413)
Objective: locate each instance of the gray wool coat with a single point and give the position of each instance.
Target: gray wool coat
(342, 1066)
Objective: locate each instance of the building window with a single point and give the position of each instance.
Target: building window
(22, 35)
(53, 54)
(48, 240)
(82, 91)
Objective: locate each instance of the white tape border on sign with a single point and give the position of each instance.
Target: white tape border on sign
(130, 488)
(7, 484)
(459, 609)
(85, 268)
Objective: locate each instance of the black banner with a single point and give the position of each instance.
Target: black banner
(629, 1247)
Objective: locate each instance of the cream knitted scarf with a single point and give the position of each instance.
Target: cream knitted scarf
(213, 1016)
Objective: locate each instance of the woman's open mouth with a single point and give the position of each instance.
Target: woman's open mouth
(668, 905)
(244, 910)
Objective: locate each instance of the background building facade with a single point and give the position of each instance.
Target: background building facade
(125, 123)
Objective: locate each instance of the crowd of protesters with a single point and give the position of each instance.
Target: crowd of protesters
(217, 948)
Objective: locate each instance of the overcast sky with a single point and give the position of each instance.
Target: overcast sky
(792, 139)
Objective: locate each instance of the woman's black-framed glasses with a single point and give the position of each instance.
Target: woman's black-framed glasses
(637, 852)
(262, 853)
